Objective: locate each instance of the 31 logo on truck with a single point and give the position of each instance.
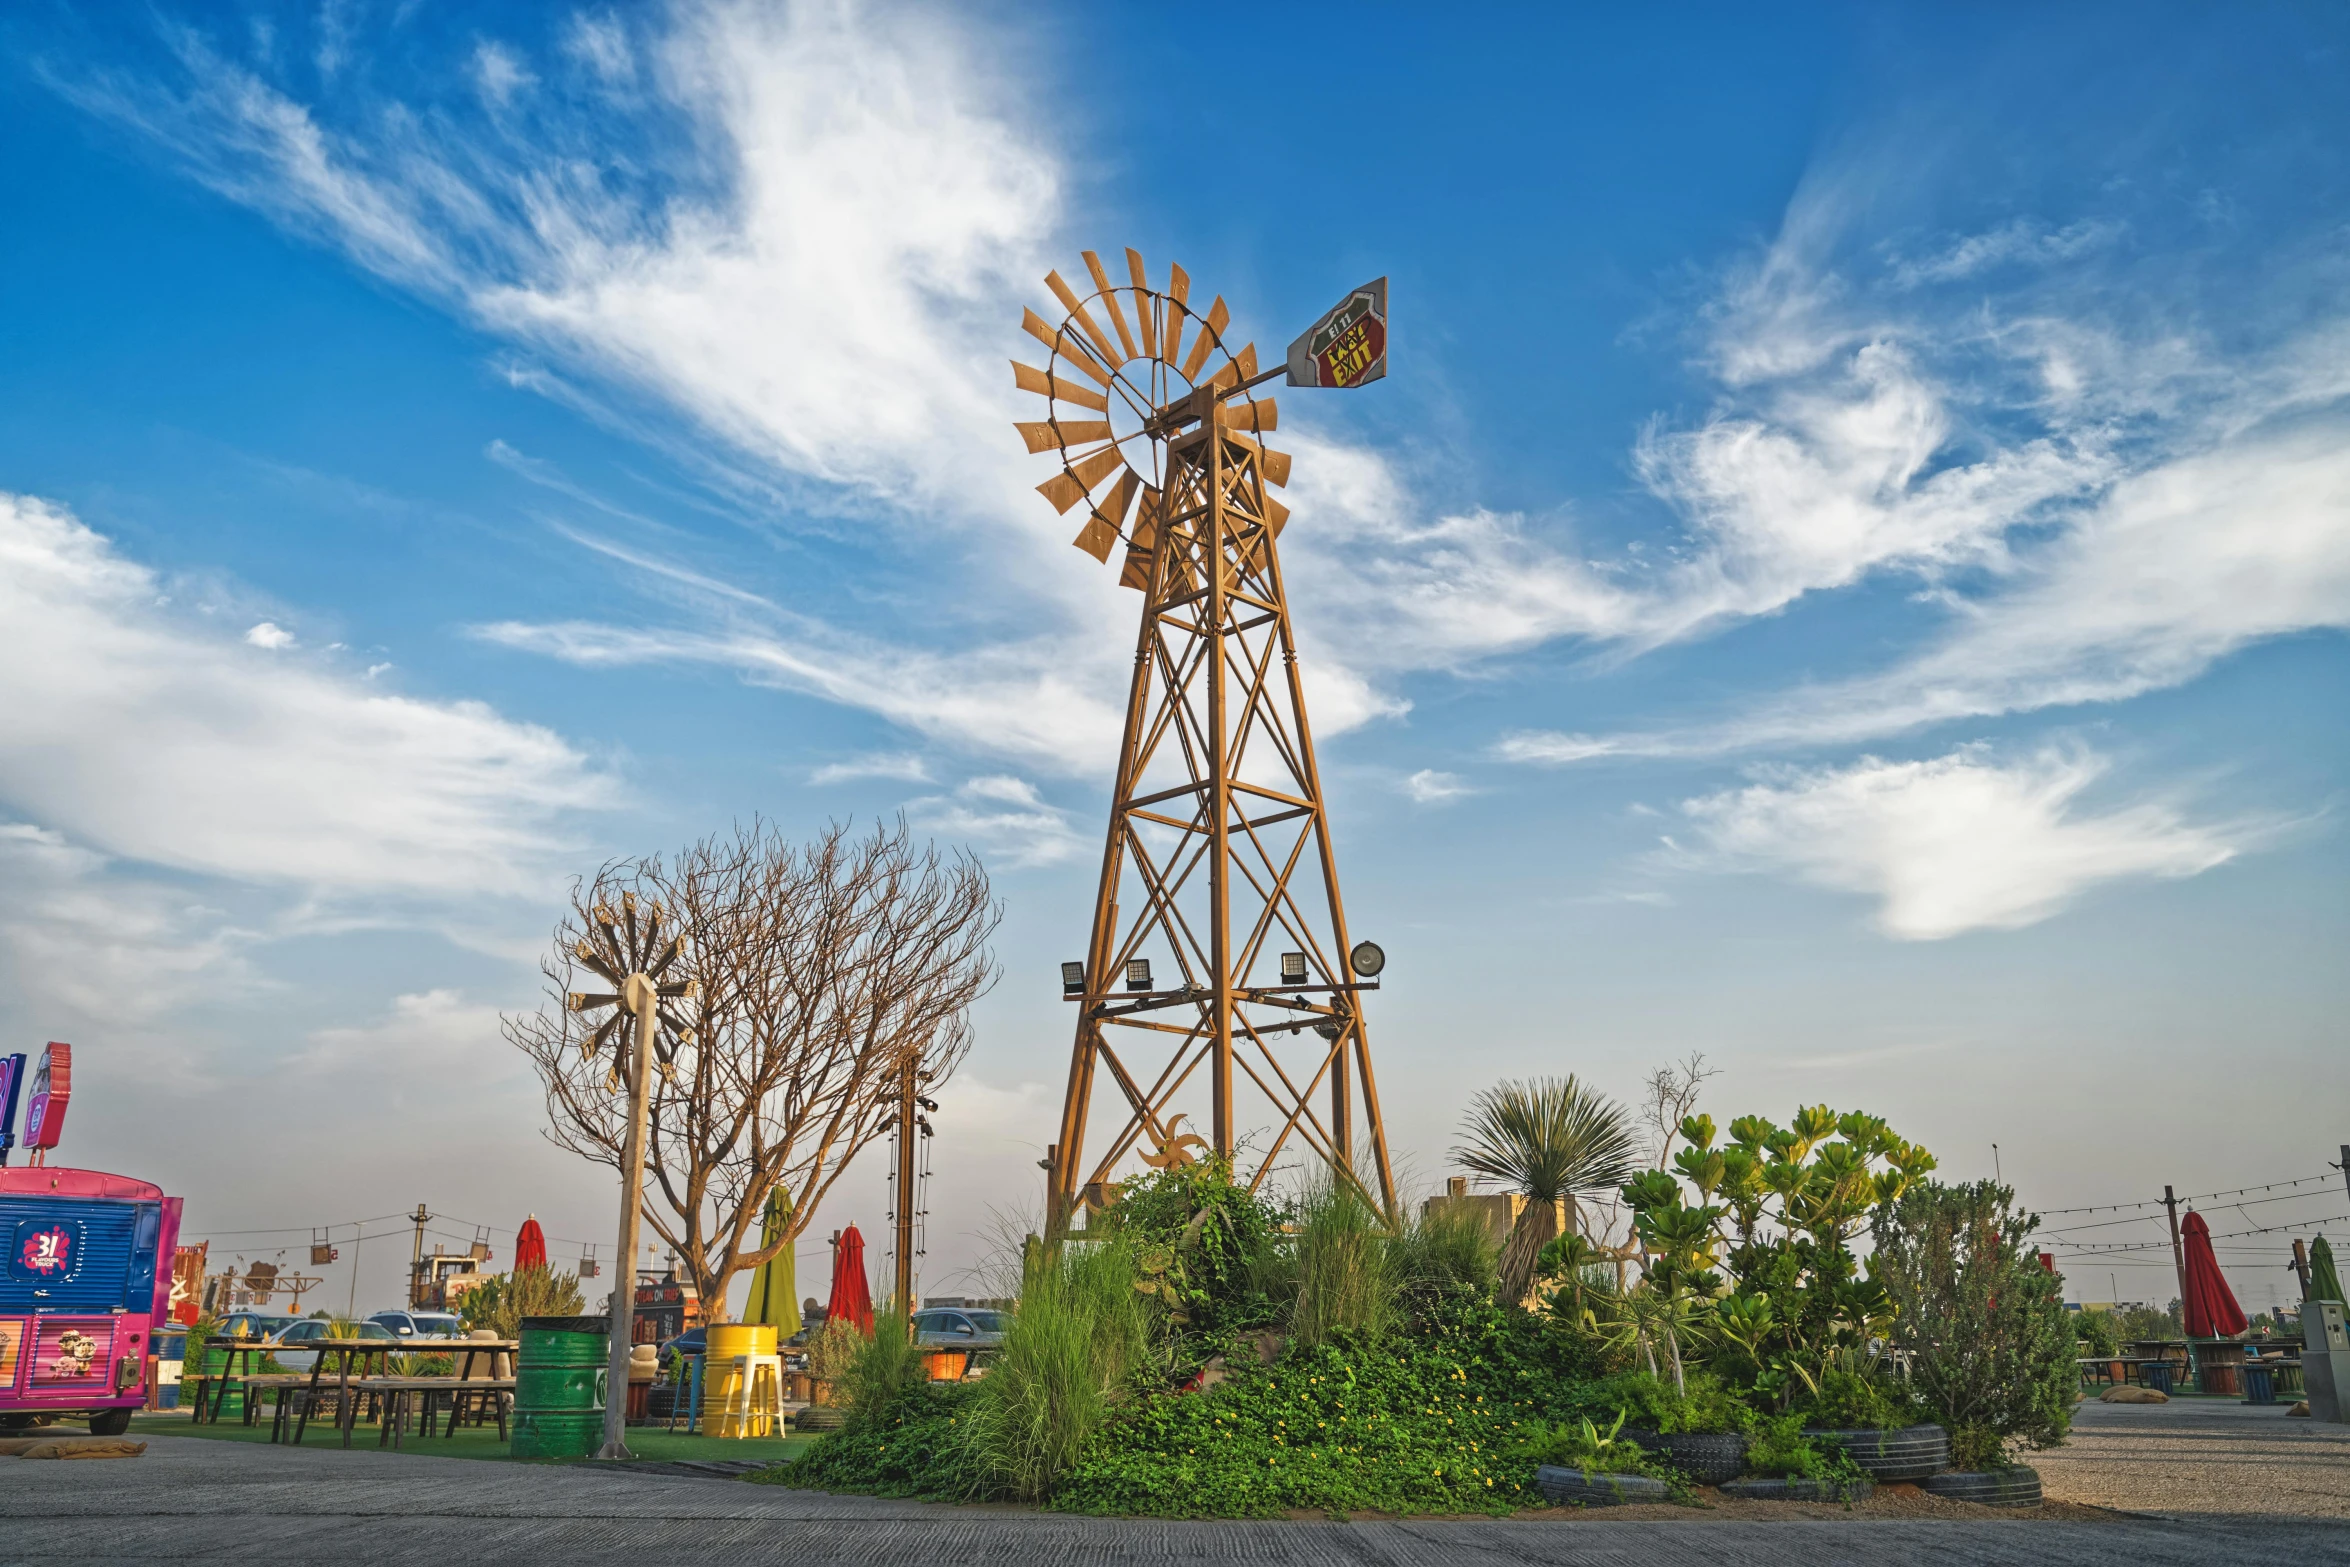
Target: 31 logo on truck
(46, 1250)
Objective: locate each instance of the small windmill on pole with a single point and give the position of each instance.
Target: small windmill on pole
(1219, 863)
(625, 946)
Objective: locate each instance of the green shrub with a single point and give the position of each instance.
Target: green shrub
(1447, 1249)
(918, 1446)
(881, 1367)
(1983, 1322)
(1078, 1335)
(1344, 1269)
(1221, 1242)
(1582, 1445)
(501, 1301)
(1854, 1400)
(1777, 1447)
(2097, 1332)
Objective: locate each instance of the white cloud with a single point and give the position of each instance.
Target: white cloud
(499, 74)
(1429, 787)
(270, 635)
(1957, 843)
(1003, 818)
(82, 940)
(149, 737)
(2017, 242)
(904, 765)
(601, 44)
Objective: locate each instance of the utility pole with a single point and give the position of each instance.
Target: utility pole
(2301, 1266)
(905, 1214)
(2178, 1255)
(415, 1264)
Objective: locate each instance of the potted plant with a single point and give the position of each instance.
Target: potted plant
(1786, 1466)
(1581, 1466)
(1873, 1421)
(1984, 1327)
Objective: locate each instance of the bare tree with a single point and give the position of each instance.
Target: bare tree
(1668, 1097)
(825, 972)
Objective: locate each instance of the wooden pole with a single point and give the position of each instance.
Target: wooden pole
(639, 995)
(415, 1262)
(2178, 1254)
(905, 1214)
(1219, 788)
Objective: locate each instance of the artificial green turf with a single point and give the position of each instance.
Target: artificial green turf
(648, 1442)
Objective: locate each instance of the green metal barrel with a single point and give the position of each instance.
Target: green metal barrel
(559, 1386)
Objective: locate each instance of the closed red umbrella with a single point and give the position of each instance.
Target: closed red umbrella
(852, 1298)
(2211, 1306)
(530, 1247)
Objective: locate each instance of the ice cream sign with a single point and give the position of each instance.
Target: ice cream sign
(46, 1250)
(44, 1115)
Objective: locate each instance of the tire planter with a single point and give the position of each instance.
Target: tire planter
(2015, 1487)
(1574, 1488)
(1899, 1453)
(1801, 1490)
(1709, 1458)
(819, 1417)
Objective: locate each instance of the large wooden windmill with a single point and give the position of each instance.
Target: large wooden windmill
(1219, 985)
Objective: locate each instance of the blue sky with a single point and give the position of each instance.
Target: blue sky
(1847, 573)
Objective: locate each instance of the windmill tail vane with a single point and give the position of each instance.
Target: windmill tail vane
(1218, 860)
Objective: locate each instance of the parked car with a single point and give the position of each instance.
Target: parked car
(967, 1327)
(420, 1324)
(296, 1359)
(254, 1324)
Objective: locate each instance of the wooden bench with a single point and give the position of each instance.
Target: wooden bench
(399, 1395)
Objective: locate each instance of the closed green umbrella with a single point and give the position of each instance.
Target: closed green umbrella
(775, 1294)
(2324, 1282)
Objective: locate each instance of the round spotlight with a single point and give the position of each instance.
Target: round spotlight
(1367, 959)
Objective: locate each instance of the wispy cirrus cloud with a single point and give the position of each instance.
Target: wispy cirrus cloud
(142, 732)
(1955, 843)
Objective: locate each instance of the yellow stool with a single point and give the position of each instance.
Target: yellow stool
(748, 1398)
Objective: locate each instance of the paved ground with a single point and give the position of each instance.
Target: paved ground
(194, 1500)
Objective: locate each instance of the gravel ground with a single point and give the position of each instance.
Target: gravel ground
(2201, 1458)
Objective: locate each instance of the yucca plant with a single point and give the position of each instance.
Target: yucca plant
(1549, 1139)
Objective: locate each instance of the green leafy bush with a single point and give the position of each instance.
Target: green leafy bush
(501, 1301)
(1848, 1398)
(1580, 1444)
(1983, 1322)
(1077, 1338)
(1776, 1447)
(2097, 1332)
(880, 1367)
(1343, 1267)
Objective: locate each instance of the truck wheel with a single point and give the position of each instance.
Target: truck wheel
(110, 1422)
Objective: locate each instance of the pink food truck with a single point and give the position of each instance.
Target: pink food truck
(81, 1295)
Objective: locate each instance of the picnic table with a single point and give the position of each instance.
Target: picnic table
(2130, 1368)
(379, 1351)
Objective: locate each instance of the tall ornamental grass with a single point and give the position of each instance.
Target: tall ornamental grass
(883, 1366)
(1344, 1264)
(1079, 1333)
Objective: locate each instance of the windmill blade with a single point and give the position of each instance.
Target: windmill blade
(1030, 379)
(1178, 306)
(1219, 316)
(1065, 346)
(1275, 466)
(1096, 538)
(579, 1001)
(1101, 530)
(1249, 414)
(1276, 516)
(1146, 521)
(595, 1041)
(1142, 303)
(1066, 488)
(1136, 573)
(1083, 318)
(585, 950)
(1101, 280)
(1052, 435)
(669, 955)
(1243, 367)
